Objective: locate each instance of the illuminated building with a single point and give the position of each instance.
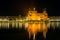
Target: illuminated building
(33, 28)
(34, 22)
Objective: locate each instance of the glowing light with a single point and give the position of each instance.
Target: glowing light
(41, 27)
(34, 22)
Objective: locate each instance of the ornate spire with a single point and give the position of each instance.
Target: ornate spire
(34, 9)
(44, 11)
(44, 8)
(29, 9)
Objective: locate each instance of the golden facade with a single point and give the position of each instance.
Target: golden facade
(35, 27)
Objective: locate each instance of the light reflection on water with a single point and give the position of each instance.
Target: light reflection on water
(18, 24)
(52, 24)
(55, 24)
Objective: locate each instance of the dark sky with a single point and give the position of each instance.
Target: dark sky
(16, 7)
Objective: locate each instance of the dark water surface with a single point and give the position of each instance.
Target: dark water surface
(21, 34)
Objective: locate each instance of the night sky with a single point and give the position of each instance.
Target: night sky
(16, 7)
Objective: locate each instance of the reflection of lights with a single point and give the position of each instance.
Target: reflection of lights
(0, 19)
(20, 25)
(34, 22)
(41, 27)
(26, 25)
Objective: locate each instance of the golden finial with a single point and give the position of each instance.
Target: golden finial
(44, 9)
(34, 9)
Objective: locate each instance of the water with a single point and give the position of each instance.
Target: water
(22, 34)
